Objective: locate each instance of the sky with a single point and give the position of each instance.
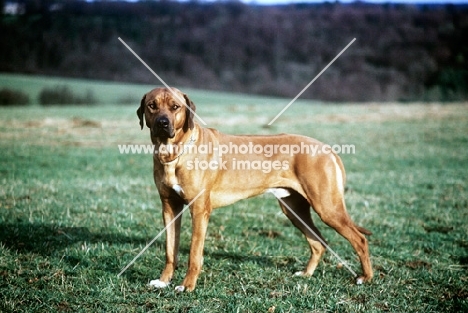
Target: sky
(369, 1)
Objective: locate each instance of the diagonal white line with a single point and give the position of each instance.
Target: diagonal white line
(318, 237)
(313, 80)
(161, 80)
(159, 235)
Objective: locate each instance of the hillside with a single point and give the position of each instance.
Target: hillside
(402, 53)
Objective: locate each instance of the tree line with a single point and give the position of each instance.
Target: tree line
(401, 52)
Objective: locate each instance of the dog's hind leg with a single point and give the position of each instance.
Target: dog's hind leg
(327, 199)
(297, 209)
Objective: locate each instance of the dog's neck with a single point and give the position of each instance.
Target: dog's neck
(169, 151)
(168, 155)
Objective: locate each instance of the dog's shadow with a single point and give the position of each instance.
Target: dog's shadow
(44, 239)
(52, 241)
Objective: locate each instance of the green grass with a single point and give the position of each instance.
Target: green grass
(74, 211)
(114, 93)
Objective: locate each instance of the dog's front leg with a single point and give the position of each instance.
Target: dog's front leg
(200, 211)
(171, 208)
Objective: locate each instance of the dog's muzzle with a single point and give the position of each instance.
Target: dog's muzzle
(163, 128)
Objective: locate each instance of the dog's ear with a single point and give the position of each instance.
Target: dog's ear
(141, 111)
(189, 113)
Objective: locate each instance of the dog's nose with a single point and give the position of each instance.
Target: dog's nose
(162, 122)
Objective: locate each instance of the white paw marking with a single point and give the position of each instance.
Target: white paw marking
(158, 284)
(279, 192)
(300, 273)
(359, 281)
(177, 188)
(179, 288)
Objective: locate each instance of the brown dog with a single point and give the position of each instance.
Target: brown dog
(228, 168)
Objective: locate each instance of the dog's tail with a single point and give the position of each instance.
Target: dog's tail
(364, 231)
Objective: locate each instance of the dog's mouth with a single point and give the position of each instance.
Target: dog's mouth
(163, 128)
(163, 133)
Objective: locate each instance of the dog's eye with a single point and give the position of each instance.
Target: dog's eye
(152, 106)
(175, 106)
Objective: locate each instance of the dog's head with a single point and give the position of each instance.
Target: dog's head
(165, 112)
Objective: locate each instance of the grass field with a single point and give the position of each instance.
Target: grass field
(74, 212)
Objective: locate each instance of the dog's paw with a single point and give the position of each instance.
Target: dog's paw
(300, 273)
(158, 284)
(359, 281)
(180, 288)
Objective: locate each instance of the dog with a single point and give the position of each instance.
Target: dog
(235, 168)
